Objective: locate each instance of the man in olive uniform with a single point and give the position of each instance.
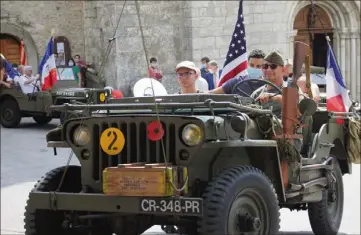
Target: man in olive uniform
(273, 70)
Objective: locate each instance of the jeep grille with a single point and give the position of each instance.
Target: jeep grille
(137, 148)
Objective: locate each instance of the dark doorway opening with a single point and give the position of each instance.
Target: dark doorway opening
(319, 49)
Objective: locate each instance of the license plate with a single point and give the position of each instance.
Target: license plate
(179, 206)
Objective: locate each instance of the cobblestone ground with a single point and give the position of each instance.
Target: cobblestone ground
(25, 158)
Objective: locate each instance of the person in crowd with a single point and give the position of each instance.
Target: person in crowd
(301, 82)
(206, 74)
(21, 69)
(154, 71)
(79, 61)
(27, 81)
(187, 77)
(215, 71)
(255, 61)
(3, 76)
(76, 72)
(201, 83)
(288, 69)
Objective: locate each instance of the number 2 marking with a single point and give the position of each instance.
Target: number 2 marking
(115, 137)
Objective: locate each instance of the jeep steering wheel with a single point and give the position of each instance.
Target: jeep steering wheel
(250, 81)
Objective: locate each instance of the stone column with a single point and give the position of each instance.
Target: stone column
(342, 57)
(353, 71)
(291, 38)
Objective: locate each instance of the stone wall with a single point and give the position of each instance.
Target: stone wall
(40, 17)
(166, 37)
(213, 23)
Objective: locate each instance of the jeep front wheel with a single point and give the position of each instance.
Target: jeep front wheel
(240, 200)
(56, 222)
(10, 115)
(326, 216)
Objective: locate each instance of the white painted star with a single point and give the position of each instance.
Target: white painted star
(241, 16)
(238, 25)
(235, 35)
(236, 51)
(233, 45)
(242, 47)
(230, 55)
(239, 41)
(241, 31)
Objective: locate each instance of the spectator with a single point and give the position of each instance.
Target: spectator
(215, 71)
(154, 71)
(204, 66)
(255, 61)
(79, 62)
(201, 83)
(76, 72)
(301, 82)
(187, 76)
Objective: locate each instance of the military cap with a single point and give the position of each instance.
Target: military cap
(275, 58)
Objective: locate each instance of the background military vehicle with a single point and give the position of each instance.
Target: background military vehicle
(215, 165)
(14, 104)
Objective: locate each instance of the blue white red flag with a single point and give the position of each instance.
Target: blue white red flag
(47, 67)
(10, 71)
(338, 99)
(236, 60)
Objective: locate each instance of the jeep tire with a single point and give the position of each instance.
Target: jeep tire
(46, 222)
(240, 199)
(10, 115)
(42, 120)
(326, 215)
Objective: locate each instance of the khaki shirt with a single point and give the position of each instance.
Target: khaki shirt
(276, 106)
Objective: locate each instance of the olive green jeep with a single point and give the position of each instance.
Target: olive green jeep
(209, 164)
(14, 104)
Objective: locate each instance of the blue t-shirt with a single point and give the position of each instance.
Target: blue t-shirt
(245, 87)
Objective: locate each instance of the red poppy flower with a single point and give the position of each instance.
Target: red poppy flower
(155, 131)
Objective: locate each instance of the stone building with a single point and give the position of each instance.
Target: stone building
(180, 30)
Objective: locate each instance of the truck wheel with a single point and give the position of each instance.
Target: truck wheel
(326, 216)
(10, 115)
(42, 120)
(240, 200)
(46, 222)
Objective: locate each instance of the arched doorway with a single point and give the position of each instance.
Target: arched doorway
(311, 31)
(10, 48)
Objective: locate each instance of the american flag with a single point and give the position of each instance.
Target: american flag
(236, 61)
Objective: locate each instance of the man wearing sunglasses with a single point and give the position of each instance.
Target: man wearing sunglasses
(273, 70)
(187, 76)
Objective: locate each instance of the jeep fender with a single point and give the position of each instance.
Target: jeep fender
(262, 154)
(330, 140)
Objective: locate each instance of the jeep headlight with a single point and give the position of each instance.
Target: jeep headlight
(86, 95)
(81, 136)
(192, 134)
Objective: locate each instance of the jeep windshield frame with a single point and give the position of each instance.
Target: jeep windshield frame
(195, 103)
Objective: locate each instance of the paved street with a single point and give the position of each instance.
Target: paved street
(25, 158)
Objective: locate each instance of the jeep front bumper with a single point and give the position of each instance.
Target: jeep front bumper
(180, 206)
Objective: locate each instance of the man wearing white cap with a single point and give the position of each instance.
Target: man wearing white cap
(27, 81)
(187, 77)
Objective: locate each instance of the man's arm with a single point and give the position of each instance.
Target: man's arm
(218, 90)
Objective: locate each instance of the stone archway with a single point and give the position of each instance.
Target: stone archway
(30, 47)
(344, 18)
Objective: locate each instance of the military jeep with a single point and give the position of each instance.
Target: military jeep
(208, 164)
(14, 104)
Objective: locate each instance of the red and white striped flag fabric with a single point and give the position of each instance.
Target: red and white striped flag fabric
(22, 53)
(236, 61)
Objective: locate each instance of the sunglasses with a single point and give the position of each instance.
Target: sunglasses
(272, 66)
(186, 74)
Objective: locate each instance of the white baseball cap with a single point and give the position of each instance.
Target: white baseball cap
(186, 64)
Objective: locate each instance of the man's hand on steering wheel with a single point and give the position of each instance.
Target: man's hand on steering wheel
(265, 97)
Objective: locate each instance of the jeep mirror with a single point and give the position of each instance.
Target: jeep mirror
(307, 107)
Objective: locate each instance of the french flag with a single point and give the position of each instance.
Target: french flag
(10, 71)
(338, 99)
(47, 67)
